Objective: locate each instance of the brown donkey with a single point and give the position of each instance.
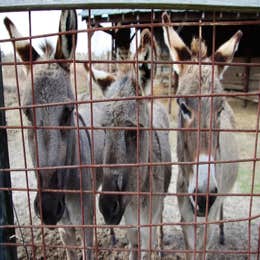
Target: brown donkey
(59, 147)
(121, 147)
(204, 179)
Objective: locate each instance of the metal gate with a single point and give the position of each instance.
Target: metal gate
(125, 28)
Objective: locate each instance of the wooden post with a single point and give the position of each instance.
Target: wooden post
(7, 235)
(247, 78)
(108, 64)
(113, 52)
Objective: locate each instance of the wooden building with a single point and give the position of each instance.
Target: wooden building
(237, 78)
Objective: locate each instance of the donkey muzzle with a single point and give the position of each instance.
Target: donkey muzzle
(111, 209)
(200, 203)
(51, 207)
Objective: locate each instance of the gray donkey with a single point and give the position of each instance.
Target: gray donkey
(131, 146)
(204, 179)
(59, 147)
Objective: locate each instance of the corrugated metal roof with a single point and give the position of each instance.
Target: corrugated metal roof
(190, 5)
(107, 12)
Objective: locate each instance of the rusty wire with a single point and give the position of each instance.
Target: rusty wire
(97, 248)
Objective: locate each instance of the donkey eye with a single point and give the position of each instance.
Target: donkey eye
(145, 72)
(130, 135)
(28, 113)
(66, 118)
(219, 112)
(185, 110)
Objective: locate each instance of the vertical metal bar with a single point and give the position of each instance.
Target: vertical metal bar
(198, 138)
(92, 171)
(35, 128)
(210, 133)
(258, 250)
(7, 235)
(139, 248)
(19, 97)
(253, 180)
(150, 168)
(170, 91)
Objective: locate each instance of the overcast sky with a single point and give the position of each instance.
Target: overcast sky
(44, 22)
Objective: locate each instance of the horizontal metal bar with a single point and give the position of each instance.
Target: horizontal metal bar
(211, 5)
(126, 226)
(119, 250)
(140, 164)
(104, 100)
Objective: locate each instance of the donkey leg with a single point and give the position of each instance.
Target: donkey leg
(130, 217)
(133, 240)
(68, 237)
(87, 236)
(112, 237)
(221, 227)
(87, 233)
(149, 239)
(188, 232)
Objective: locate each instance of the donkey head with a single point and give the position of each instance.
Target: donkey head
(51, 84)
(121, 145)
(194, 112)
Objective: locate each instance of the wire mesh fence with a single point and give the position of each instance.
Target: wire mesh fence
(149, 149)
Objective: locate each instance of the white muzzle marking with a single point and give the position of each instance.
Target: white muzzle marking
(205, 177)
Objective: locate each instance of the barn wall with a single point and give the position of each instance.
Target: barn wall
(235, 76)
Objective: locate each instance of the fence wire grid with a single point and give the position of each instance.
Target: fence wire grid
(93, 139)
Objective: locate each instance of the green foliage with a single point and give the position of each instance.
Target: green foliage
(245, 178)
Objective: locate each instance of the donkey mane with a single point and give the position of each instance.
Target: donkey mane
(198, 48)
(199, 77)
(120, 88)
(47, 48)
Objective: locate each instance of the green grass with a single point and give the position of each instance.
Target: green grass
(245, 174)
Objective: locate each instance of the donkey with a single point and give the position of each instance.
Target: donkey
(121, 147)
(58, 147)
(203, 180)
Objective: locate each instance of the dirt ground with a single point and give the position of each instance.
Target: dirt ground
(239, 235)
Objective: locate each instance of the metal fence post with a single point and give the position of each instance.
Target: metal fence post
(7, 235)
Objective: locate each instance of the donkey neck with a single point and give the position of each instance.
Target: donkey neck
(72, 154)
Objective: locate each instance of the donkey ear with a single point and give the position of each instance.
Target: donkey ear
(22, 46)
(102, 79)
(226, 51)
(177, 48)
(146, 49)
(66, 43)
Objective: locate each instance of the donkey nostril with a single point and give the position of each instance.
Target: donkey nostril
(36, 204)
(115, 208)
(212, 198)
(215, 190)
(60, 208)
(201, 202)
(36, 207)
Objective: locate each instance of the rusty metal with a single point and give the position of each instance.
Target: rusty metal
(32, 243)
